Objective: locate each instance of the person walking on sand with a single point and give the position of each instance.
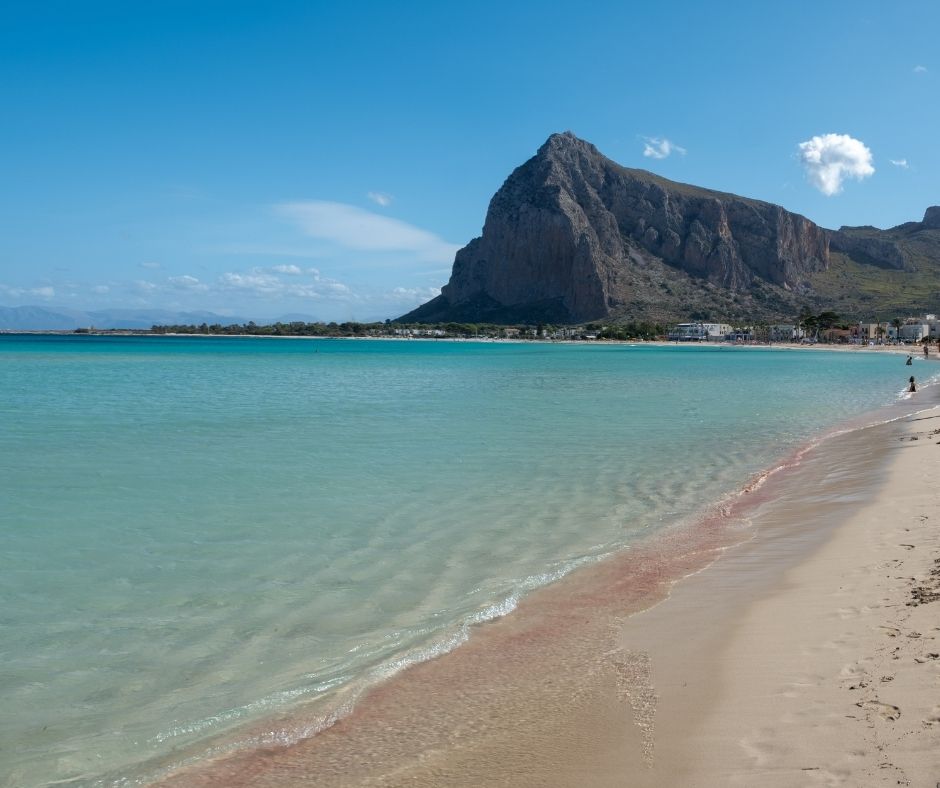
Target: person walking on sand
(926, 352)
(912, 387)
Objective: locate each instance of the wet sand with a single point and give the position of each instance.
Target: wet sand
(795, 659)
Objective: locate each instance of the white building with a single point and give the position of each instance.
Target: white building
(869, 332)
(913, 332)
(698, 332)
(785, 332)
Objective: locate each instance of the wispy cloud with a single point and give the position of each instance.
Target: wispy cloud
(380, 198)
(354, 228)
(265, 283)
(902, 163)
(829, 159)
(151, 265)
(275, 283)
(412, 296)
(920, 69)
(257, 282)
(660, 148)
(259, 290)
(186, 282)
(46, 291)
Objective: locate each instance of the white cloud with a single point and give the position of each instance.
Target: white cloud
(353, 228)
(257, 282)
(18, 292)
(150, 264)
(293, 270)
(100, 289)
(144, 286)
(660, 148)
(379, 198)
(414, 295)
(902, 163)
(831, 158)
(187, 283)
(260, 283)
(920, 69)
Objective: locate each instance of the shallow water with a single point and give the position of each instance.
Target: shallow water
(202, 533)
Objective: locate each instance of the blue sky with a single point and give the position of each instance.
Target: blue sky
(327, 159)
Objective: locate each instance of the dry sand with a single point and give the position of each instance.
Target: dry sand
(828, 671)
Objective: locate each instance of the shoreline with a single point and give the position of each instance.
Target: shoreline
(546, 629)
(914, 349)
(829, 674)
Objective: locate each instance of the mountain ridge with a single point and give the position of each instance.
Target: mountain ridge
(40, 318)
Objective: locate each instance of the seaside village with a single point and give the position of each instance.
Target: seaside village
(826, 328)
(910, 331)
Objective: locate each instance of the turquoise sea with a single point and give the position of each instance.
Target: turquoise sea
(199, 533)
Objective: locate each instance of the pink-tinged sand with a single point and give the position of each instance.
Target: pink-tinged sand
(793, 660)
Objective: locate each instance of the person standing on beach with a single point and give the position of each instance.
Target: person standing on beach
(912, 386)
(926, 352)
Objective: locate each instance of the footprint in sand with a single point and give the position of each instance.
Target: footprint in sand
(852, 670)
(885, 710)
(933, 718)
(856, 674)
(853, 612)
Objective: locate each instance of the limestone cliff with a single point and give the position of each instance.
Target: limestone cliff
(932, 218)
(867, 248)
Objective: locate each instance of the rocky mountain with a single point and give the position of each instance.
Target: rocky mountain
(38, 318)
(572, 236)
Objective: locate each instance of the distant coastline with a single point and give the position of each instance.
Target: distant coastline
(901, 348)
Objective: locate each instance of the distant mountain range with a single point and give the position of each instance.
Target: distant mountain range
(38, 318)
(572, 236)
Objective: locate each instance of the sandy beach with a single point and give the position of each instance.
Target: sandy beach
(827, 672)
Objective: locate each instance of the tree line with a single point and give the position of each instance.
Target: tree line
(811, 324)
(622, 331)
